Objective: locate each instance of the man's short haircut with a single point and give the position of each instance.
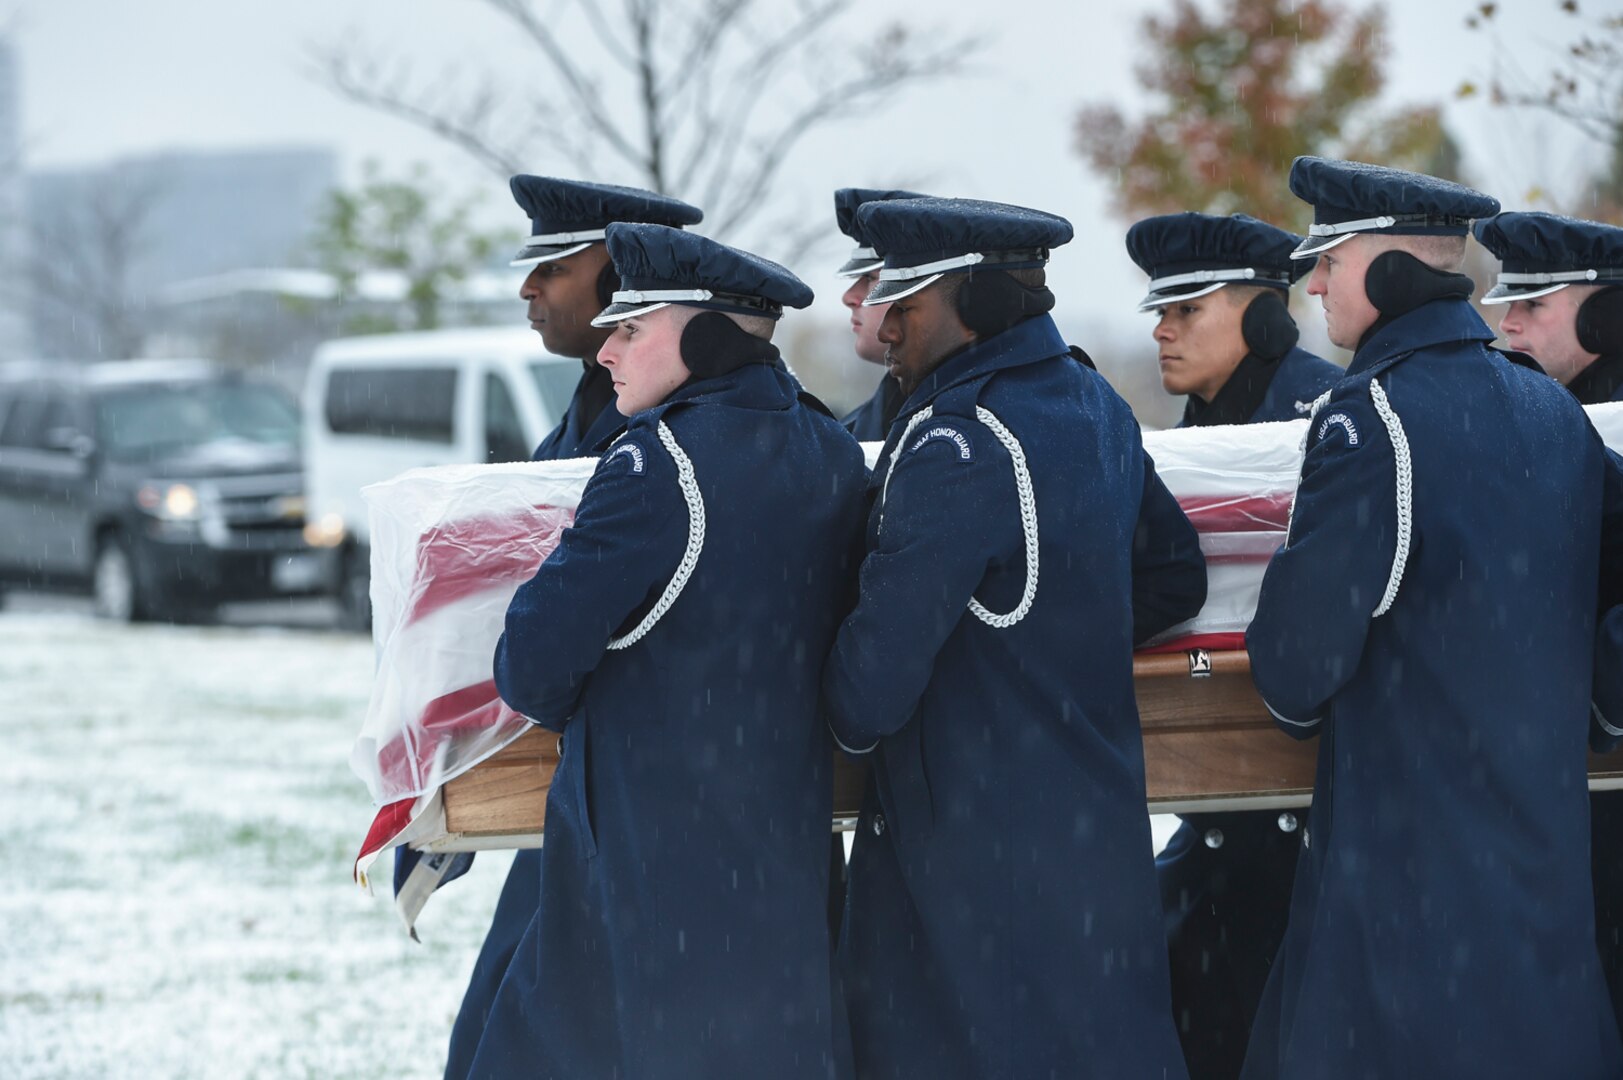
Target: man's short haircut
(755, 325)
(1438, 252)
(1241, 295)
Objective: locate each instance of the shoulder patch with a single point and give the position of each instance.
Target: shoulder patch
(948, 433)
(1343, 421)
(630, 450)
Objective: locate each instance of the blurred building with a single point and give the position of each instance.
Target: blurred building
(109, 239)
(272, 319)
(14, 302)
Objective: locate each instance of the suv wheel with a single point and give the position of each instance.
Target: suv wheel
(113, 585)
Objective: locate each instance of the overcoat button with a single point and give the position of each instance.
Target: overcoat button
(879, 824)
(1307, 838)
(1287, 822)
(1214, 838)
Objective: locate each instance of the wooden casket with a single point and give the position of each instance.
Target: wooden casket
(1209, 743)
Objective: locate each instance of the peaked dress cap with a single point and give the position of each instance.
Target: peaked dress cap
(1350, 197)
(1189, 255)
(659, 265)
(567, 216)
(922, 239)
(1544, 253)
(864, 259)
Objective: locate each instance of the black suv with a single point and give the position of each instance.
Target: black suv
(164, 487)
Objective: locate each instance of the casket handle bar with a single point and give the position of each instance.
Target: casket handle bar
(1191, 664)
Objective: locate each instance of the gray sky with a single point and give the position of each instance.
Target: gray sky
(103, 79)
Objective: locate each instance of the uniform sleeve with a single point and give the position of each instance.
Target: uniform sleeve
(1169, 572)
(1321, 589)
(1606, 731)
(946, 519)
(1611, 525)
(629, 534)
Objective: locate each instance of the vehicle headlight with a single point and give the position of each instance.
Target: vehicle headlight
(170, 502)
(326, 531)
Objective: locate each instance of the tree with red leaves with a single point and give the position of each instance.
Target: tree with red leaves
(1239, 94)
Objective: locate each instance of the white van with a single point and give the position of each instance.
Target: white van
(376, 406)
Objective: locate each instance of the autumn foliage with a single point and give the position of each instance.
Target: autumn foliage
(1238, 95)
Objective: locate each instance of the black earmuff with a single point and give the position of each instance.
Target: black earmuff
(608, 283)
(991, 301)
(1600, 322)
(712, 345)
(1397, 283)
(1267, 326)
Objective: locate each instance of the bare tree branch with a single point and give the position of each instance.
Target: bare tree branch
(886, 72)
(751, 80)
(1584, 85)
(709, 31)
(797, 237)
(605, 36)
(640, 13)
(359, 82)
(693, 82)
(701, 114)
(581, 89)
(83, 263)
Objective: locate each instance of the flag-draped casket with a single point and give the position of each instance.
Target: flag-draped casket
(452, 768)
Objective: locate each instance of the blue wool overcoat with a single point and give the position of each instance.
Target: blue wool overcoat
(579, 434)
(1002, 917)
(1431, 620)
(1602, 383)
(681, 930)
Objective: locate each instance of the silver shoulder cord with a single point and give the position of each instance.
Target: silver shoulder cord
(690, 556)
(1028, 510)
(1403, 467)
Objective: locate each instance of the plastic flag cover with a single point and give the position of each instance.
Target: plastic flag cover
(451, 544)
(1236, 484)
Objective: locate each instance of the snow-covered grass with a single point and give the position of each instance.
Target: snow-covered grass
(177, 823)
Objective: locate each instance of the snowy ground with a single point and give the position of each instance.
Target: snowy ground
(179, 820)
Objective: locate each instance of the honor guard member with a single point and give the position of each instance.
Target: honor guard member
(869, 421)
(1002, 918)
(872, 419)
(1562, 282)
(675, 638)
(1431, 618)
(571, 280)
(1220, 287)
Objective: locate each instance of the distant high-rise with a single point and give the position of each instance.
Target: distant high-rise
(118, 233)
(14, 298)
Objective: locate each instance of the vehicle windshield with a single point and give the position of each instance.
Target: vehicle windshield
(144, 422)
